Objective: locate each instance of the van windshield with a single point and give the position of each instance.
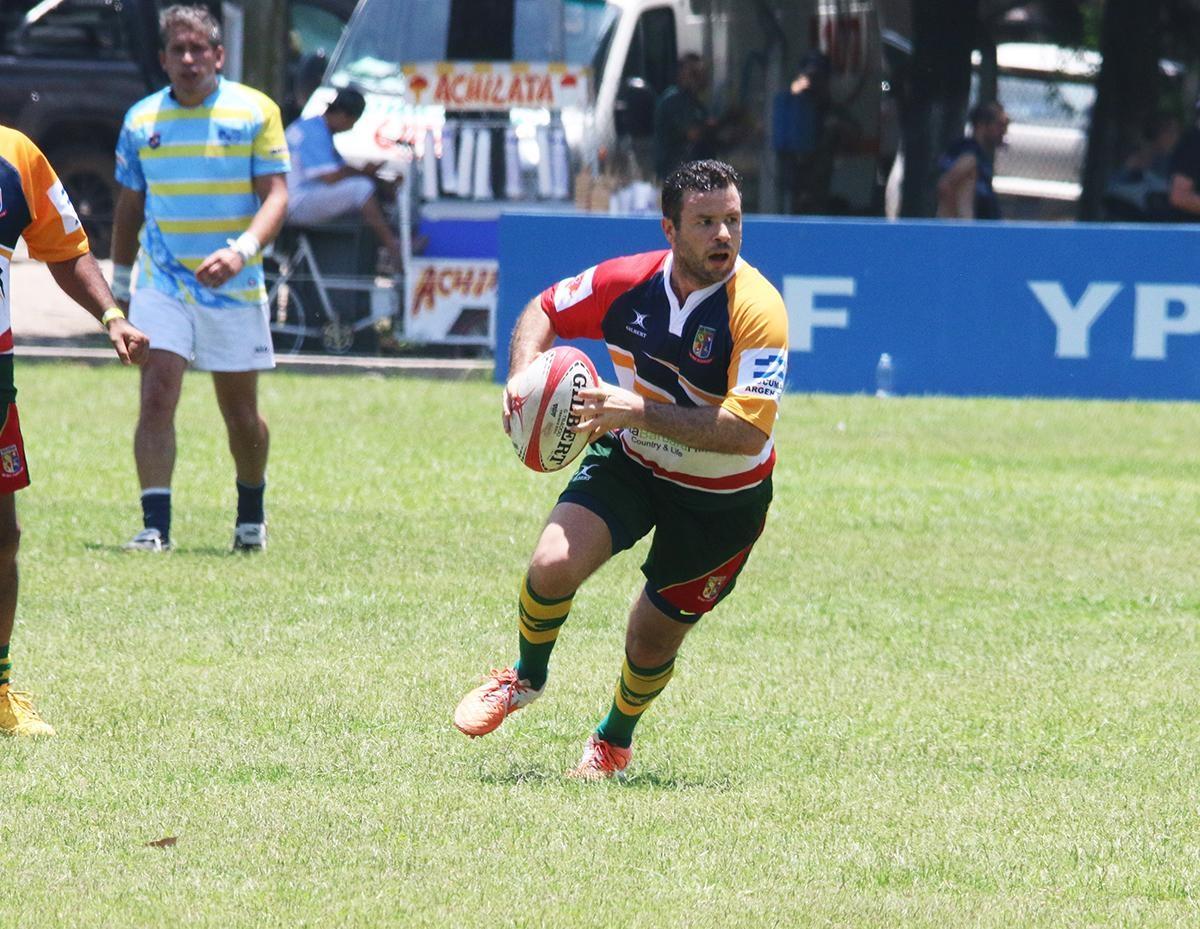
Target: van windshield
(386, 34)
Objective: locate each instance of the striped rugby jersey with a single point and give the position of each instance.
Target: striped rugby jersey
(196, 166)
(726, 346)
(33, 206)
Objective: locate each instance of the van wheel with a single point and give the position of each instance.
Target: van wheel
(88, 178)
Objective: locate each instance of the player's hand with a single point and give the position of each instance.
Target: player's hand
(130, 343)
(219, 267)
(506, 407)
(607, 407)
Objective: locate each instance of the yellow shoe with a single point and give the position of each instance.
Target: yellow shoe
(18, 716)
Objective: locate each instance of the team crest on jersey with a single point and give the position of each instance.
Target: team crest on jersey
(10, 461)
(712, 587)
(702, 344)
(574, 289)
(155, 140)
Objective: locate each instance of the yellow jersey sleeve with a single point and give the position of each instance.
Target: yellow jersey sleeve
(758, 365)
(54, 232)
(270, 151)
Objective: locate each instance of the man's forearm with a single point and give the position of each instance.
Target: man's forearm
(80, 279)
(710, 428)
(531, 336)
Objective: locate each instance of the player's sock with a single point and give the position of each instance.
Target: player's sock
(250, 503)
(5, 665)
(636, 690)
(540, 620)
(156, 510)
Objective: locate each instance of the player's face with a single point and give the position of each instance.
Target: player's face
(708, 237)
(191, 63)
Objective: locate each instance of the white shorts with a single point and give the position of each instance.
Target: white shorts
(323, 202)
(226, 339)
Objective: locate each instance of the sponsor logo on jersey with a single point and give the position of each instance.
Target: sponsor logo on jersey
(761, 373)
(702, 344)
(574, 289)
(10, 461)
(66, 210)
(638, 326)
(228, 136)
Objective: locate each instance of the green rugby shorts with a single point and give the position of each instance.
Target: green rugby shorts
(701, 539)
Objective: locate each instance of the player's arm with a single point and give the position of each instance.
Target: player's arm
(956, 189)
(80, 279)
(1183, 194)
(225, 262)
(531, 336)
(128, 216)
(712, 428)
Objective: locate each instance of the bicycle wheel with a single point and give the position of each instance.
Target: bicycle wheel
(287, 317)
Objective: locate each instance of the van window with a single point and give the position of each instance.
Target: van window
(88, 29)
(652, 52)
(1046, 103)
(386, 34)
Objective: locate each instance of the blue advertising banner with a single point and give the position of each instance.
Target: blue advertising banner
(1008, 309)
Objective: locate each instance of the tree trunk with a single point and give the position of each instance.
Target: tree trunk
(264, 59)
(943, 35)
(1126, 91)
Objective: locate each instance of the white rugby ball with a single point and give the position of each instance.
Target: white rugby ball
(544, 400)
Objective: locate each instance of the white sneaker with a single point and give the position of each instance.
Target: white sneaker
(148, 540)
(250, 537)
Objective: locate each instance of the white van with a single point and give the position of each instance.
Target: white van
(549, 104)
(594, 69)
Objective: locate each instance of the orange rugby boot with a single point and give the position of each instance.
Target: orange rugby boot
(487, 706)
(601, 760)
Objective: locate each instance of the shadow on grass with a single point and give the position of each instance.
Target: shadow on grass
(640, 780)
(208, 551)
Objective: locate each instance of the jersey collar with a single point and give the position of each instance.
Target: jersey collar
(679, 314)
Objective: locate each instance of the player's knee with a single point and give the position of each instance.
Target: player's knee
(157, 409)
(552, 573)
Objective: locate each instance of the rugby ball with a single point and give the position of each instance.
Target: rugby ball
(544, 401)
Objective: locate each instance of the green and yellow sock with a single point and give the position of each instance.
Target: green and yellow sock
(539, 623)
(636, 690)
(5, 665)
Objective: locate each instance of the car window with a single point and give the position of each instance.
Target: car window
(315, 30)
(1062, 104)
(89, 29)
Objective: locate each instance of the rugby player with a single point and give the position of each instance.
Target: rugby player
(34, 206)
(681, 446)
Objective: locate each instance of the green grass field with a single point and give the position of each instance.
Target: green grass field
(957, 685)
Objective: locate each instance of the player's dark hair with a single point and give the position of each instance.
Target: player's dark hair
(348, 101)
(987, 112)
(183, 16)
(700, 176)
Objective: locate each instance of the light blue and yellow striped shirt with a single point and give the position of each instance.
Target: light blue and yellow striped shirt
(196, 166)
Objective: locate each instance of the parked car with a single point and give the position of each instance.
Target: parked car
(73, 67)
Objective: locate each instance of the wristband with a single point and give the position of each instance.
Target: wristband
(122, 275)
(246, 245)
(110, 314)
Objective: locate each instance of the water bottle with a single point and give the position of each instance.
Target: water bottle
(885, 376)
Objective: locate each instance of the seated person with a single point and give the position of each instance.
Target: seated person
(321, 186)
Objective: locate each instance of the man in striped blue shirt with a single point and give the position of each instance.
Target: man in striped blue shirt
(202, 166)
